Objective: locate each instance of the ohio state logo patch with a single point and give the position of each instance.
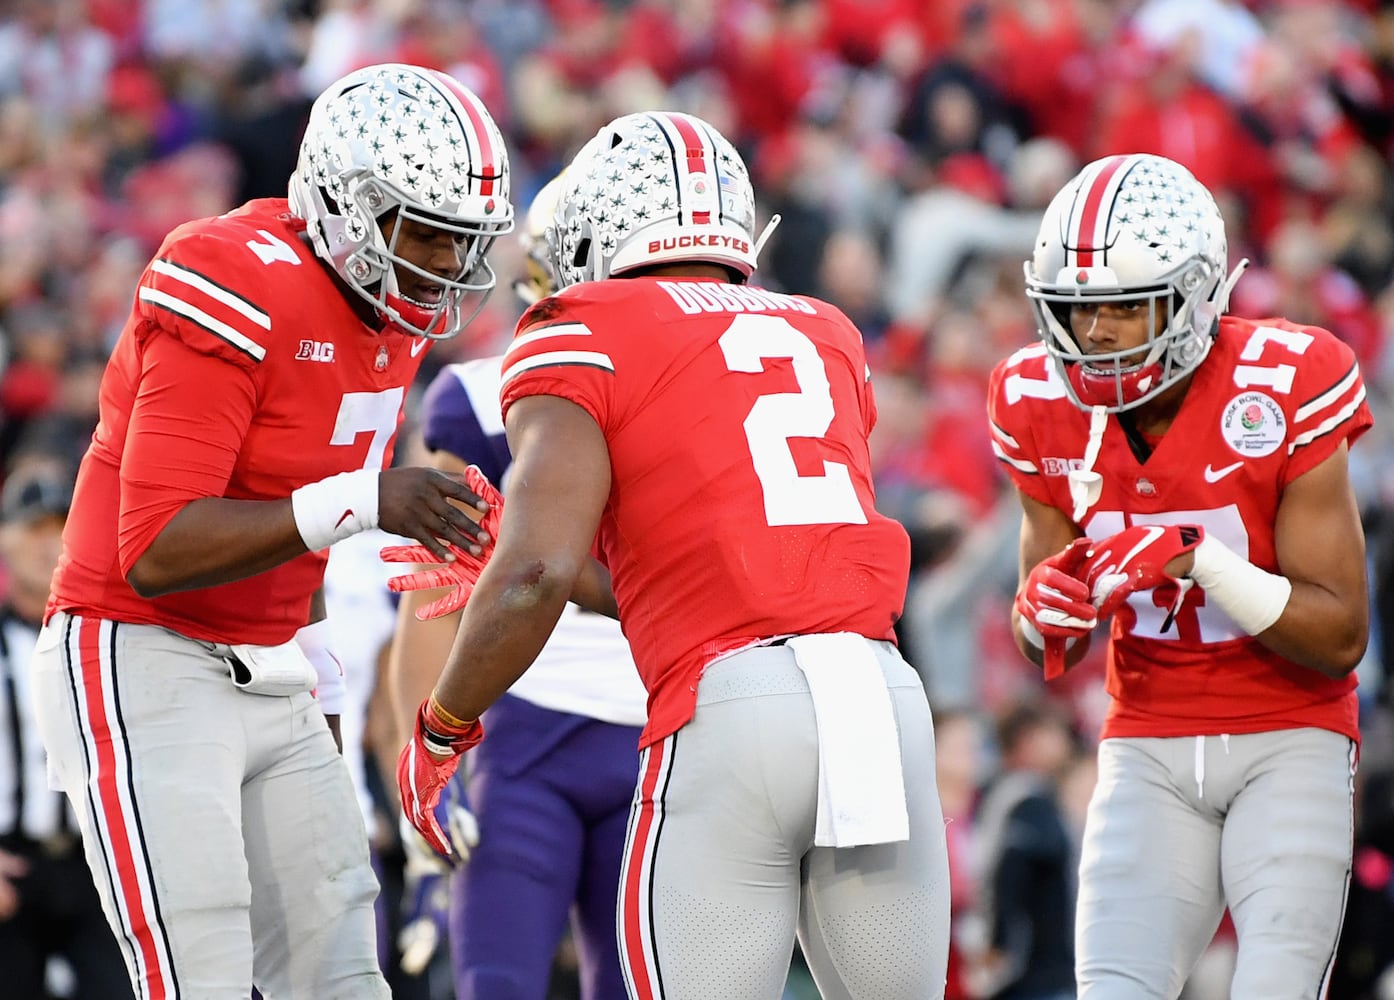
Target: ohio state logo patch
(1253, 424)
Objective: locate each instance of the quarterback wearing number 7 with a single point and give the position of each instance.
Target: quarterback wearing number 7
(1184, 481)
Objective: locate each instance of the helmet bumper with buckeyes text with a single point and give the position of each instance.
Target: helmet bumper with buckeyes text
(650, 189)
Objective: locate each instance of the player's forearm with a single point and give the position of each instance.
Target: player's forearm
(1312, 625)
(214, 540)
(1319, 631)
(505, 625)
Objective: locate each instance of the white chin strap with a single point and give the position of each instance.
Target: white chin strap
(1086, 485)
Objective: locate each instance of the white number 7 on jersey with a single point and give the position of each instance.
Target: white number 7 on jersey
(775, 418)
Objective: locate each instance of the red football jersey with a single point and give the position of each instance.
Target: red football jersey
(742, 507)
(1272, 400)
(242, 372)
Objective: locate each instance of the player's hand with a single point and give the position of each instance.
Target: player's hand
(425, 767)
(460, 576)
(422, 504)
(1055, 602)
(452, 813)
(1055, 598)
(1142, 557)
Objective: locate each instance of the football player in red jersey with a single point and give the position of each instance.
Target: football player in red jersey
(1184, 477)
(248, 414)
(552, 809)
(710, 438)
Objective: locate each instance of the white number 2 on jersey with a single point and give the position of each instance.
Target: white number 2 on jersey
(776, 417)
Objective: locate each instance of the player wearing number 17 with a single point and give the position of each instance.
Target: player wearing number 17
(1184, 477)
(711, 439)
(247, 416)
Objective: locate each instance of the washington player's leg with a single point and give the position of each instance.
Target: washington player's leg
(608, 756)
(1149, 893)
(724, 812)
(875, 919)
(510, 902)
(144, 731)
(1285, 859)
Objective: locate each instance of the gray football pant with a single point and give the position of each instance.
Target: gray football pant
(1180, 827)
(221, 827)
(720, 868)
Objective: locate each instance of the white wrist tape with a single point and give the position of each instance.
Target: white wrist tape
(1253, 598)
(1034, 637)
(316, 643)
(336, 507)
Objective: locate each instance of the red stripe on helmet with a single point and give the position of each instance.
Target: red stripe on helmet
(489, 169)
(1083, 242)
(696, 157)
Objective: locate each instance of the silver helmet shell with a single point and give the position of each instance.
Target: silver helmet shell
(653, 188)
(1129, 229)
(401, 138)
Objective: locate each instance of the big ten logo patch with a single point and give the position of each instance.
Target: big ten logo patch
(1253, 424)
(315, 350)
(1060, 466)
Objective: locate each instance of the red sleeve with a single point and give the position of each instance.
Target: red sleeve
(219, 316)
(191, 412)
(556, 354)
(1331, 406)
(1028, 374)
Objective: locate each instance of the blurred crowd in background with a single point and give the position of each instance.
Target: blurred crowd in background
(909, 147)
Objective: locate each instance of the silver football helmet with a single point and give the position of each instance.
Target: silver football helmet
(654, 188)
(1138, 229)
(415, 141)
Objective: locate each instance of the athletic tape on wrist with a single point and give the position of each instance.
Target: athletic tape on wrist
(336, 507)
(1253, 598)
(315, 641)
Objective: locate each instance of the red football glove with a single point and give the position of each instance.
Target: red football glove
(1055, 601)
(460, 575)
(425, 767)
(1135, 559)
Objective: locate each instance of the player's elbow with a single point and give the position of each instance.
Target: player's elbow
(1340, 648)
(1344, 656)
(148, 579)
(539, 584)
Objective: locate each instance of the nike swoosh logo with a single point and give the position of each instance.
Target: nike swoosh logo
(1213, 475)
(346, 515)
(418, 345)
(1152, 534)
